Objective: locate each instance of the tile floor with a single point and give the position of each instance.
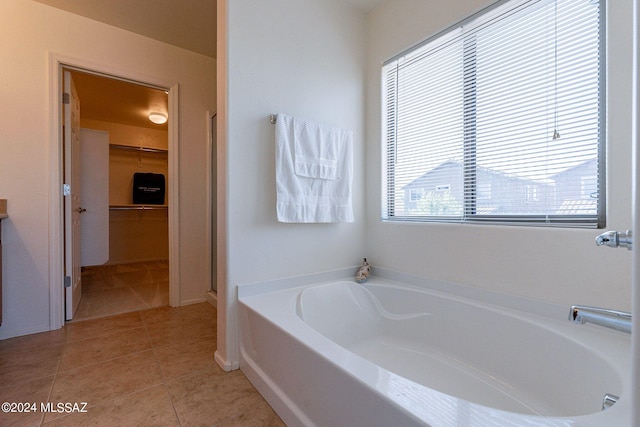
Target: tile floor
(147, 368)
(114, 289)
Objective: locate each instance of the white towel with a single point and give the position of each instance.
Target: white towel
(316, 148)
(307, 199)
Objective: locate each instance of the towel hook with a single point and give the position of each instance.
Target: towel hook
(273, 118)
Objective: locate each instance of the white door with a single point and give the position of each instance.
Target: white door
(94, 194)
(72, 208)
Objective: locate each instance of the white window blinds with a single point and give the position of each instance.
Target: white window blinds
(500, 119)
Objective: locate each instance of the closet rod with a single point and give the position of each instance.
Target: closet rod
(146, 149)
(137, 208)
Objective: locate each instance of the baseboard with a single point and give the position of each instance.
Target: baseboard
(212, 298)
(225, 365)
(193, 301)
(130, 261)
(12, 333)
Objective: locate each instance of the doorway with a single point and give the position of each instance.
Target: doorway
(139, 269)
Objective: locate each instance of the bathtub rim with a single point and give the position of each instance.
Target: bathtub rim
(494, 300)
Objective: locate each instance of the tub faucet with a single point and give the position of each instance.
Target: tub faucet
(615, 239)
(612, 319)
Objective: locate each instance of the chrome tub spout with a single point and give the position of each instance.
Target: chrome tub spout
(615, 239)
(613, 319)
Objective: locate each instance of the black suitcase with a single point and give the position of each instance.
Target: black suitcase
(148, 188)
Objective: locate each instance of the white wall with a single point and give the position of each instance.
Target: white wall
(305, 58)
(554, 265)
(29, 33)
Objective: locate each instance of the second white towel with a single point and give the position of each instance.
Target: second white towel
(317, 148)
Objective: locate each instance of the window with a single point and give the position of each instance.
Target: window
(532, 193)
(484, 191)
(508, 107)
(589, 187)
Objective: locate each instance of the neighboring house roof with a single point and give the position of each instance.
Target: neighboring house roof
(427, 177)
(584, 165)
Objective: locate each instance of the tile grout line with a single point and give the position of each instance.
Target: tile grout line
(55, 377)
(162, 375)
(166, 381)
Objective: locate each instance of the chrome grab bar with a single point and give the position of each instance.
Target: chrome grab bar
(613, 319)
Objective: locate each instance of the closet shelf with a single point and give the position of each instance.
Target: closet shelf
(137, 207)
(143, 149)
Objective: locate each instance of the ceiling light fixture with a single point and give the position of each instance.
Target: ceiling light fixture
(158, 118)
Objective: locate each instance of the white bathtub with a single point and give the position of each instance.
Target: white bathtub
(389, 354)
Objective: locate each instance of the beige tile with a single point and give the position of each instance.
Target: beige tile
(162, 334)
(108, 380)
(212, 396)
(149, 407)
(260, 416)
(98, 285)
(107, 363)
(33, 392)
(28, 368)
(109, 302)
(91, 306)
(92, 351)
(175, 316)
(98, 273)
(29, 359)
(123, 300)
(154, 294)
(24, 419)
(33, 342)
(158, 314)
(103, 327)
(159, 274)
(131, 267)
(133, 277)
(98, 278)
(122, 288)
(178, 359)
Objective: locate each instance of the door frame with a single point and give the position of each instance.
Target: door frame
(56, 203)
(211, 228)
